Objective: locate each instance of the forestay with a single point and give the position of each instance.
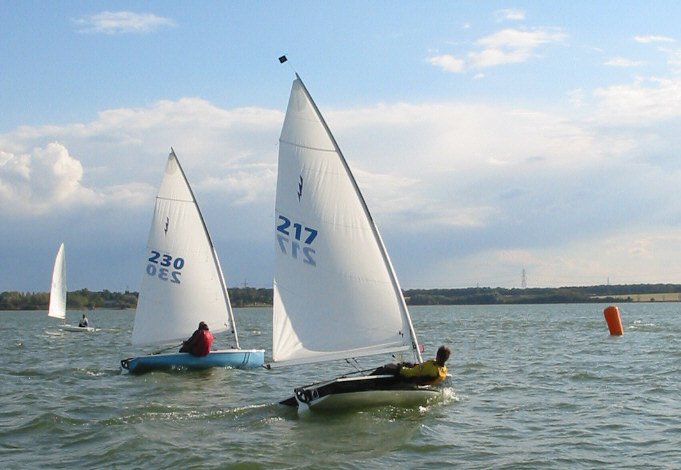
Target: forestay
(182, 283)
(57, 306)
(335, 293)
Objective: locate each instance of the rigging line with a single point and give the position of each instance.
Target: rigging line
(356, 366)
(353, 364)
(168, 348)
(363, 371)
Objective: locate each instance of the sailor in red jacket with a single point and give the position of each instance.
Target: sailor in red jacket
(200, 342)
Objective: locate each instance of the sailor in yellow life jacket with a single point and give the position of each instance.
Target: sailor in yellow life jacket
(427, 373)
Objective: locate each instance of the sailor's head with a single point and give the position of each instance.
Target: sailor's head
(443, 353)
(203, 326)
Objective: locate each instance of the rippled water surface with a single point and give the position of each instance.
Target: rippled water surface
(540, 386)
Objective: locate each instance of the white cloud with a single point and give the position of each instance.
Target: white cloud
(674, 60)
(453, 137)
(121, 22)
(509, 14)
(448, 63)
(576, 97)
(235, 148)
(48, 177)
(643, 102)
(512, 46)
(622, 258)
(631, 258)
(232, 153)
(508, 46)
(245, 184)
(480, 182)
(455, 167)
(623, 62)
(652, 39)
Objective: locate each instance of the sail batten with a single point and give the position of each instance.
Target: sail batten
(335, 292)
(182, 282)
(307, 147)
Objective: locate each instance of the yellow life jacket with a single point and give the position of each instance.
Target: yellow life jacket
(426, 373)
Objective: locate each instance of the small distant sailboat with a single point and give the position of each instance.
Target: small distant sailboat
(336, 295)
(57, 307)
(183, 285)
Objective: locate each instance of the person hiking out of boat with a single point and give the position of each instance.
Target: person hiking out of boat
(83, 322)
(200, 342)
(427, 373)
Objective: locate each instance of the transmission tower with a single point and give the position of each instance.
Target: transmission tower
(523, 280)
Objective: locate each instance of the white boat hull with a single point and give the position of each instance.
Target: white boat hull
(359, 392)
(77, 329)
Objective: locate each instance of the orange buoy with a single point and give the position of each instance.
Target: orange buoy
(613, 319)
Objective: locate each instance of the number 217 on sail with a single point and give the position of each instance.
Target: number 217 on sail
(300, 233)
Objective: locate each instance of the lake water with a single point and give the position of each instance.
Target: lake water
(534, 386)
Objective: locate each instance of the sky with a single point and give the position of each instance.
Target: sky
(490, 139)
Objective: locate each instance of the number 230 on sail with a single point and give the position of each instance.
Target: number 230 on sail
(165, 267)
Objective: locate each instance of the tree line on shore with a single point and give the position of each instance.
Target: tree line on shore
(84, 299)
(542, 295)
(252, 296)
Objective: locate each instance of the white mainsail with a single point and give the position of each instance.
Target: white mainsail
(183, 282)
(57, 308)
(336, 295)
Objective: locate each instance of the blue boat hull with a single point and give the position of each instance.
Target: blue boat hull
(234, 358)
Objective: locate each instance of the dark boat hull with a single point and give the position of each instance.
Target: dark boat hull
(364, 391)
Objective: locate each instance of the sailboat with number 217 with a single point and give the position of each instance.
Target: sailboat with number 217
(336, 295)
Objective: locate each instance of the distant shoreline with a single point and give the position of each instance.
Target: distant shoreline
(85, 299)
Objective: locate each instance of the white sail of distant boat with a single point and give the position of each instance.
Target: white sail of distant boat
(183, 284)
(336, 295)
(57, 306)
